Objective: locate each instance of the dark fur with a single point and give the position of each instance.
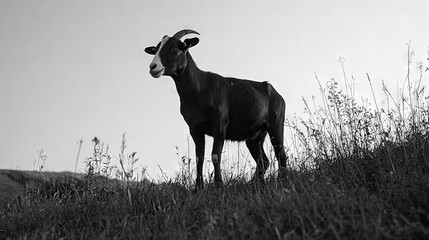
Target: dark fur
(224, 108)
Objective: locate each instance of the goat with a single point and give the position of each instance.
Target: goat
(225, 108)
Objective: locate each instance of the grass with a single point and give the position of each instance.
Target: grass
(363, 174)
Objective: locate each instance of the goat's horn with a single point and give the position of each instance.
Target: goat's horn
(184, 32)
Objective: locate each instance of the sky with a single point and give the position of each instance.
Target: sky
(73, 70)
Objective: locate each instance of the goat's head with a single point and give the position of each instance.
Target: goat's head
(170, 54)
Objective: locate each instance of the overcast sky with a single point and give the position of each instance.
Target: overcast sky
(72, 70)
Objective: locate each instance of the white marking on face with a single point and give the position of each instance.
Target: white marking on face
(215, 158)
(158, 69)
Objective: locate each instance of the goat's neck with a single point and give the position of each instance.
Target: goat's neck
(189, 80)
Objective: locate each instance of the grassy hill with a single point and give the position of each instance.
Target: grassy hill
(309, 205)
(13, 182)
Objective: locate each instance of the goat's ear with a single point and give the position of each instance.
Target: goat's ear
(150, 50)
(190, 42)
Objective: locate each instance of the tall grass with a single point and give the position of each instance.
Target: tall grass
(370, 147)
(363, 175)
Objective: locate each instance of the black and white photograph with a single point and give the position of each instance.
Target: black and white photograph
(234, 119)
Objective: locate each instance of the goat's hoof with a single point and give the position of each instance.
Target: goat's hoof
(283, 178)
(218, 185)
(282, 175)
(257, 182)
(198, 187)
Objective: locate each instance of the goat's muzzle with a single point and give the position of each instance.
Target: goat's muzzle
(156, 70)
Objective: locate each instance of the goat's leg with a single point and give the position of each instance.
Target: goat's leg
(257, 151)
(216, 159)
(276, 136)
(219, 122)
(199, 140)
